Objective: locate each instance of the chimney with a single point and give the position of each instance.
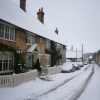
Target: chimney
(41, 15)
(56, 31)
(23, 4)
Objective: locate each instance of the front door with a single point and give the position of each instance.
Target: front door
(29, 61)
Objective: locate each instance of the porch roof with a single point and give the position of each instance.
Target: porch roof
(33, 49)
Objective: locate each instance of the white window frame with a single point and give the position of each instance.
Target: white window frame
(48, 44)
(30, 38)
(5, 61)
(8, 33)
(47, 60)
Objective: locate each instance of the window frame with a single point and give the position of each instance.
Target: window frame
(6, 33)
(30, 38)
(6, 61)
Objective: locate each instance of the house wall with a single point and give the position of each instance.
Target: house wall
(96, 58)
(64, 55)
(7, 42)
(41, 45)
(20, 44)
(20, 39)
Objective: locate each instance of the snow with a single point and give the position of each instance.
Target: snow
(32, 48)
(92, 91)
(38, 87)
(66, 90)
(12, 13)
(67, 66)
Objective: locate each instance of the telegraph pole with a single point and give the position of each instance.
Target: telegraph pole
(82, 52)
(76, 54)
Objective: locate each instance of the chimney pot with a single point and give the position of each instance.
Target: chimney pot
(41, 9)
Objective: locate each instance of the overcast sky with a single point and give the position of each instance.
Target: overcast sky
(78, 21)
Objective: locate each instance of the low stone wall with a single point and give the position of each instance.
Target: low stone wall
(51, 70)
(16, 79)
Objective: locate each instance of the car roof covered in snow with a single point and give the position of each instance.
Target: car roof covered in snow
(13, 14)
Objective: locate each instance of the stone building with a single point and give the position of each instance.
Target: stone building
(20, 30)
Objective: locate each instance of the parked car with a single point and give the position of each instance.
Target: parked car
(80, 63)
(77, 67)
(85, 63)
(73, 68)
(68, 67)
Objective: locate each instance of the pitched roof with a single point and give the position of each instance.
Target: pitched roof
(13, 14)
(33, 48)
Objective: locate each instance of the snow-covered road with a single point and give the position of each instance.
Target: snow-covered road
(92, 91)
(70, 90)
(64, 86)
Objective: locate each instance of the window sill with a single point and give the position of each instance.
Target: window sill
(7, 40)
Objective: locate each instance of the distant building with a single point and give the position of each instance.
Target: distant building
(73, 55)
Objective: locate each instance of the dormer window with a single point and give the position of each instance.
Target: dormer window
(30, 39)
(7, 31)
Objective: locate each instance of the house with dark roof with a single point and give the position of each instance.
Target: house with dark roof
(21, 33)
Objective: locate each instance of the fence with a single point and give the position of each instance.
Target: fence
(51, 70)
(14, 80)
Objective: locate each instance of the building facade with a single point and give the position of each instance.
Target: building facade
(20, 35)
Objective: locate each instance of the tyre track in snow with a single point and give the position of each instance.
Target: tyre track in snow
(54, 87)
(78, 92)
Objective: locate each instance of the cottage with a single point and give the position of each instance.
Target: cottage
(22, 34)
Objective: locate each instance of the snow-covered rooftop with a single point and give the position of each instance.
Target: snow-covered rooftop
(13, 14)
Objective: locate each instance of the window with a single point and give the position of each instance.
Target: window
(1, 59)
(7, 32)
(30, 39)
(1, 30)
(48, 60)
(6, 61)
(48, 44)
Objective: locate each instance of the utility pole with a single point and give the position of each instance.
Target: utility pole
(76, 54)
(82, 52)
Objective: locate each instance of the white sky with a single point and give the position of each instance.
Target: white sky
(78, 21)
